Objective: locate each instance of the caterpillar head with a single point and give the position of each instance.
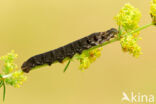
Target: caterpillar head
(109, 34)
(27, 65)
(113, 31)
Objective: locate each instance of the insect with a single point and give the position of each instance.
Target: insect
(69, 50)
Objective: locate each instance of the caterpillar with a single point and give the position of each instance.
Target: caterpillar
(68, 50)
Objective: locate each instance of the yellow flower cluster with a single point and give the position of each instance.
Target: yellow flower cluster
(128, 18)
(16, 79)
(10, 75)
(8, 62)
(129, 44)
(87, 57)
(153, 11)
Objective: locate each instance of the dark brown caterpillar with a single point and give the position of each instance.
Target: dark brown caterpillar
(68, 50)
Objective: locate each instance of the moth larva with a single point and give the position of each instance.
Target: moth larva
(68, 50)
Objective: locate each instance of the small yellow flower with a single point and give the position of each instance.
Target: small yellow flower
(153, 11)
(8, 62)
(128, 18)
(84, 63)
(87, 57)
(16, 79)
(129, 44)
(93, 54)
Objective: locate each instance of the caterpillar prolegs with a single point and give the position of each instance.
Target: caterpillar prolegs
(69, 50)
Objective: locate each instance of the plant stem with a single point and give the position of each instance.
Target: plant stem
(4, 91)
(67, 65)
(141, 28)
(9, 75)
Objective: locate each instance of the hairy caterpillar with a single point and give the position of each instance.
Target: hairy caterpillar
(68, 50)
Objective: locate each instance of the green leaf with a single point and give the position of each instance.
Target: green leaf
(67, 65)
(4, 91)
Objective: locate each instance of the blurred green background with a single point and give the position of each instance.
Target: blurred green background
(34, 26)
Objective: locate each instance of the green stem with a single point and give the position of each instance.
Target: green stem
(141, 28)
(67, 65)
(9, 75)
(4, 91)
